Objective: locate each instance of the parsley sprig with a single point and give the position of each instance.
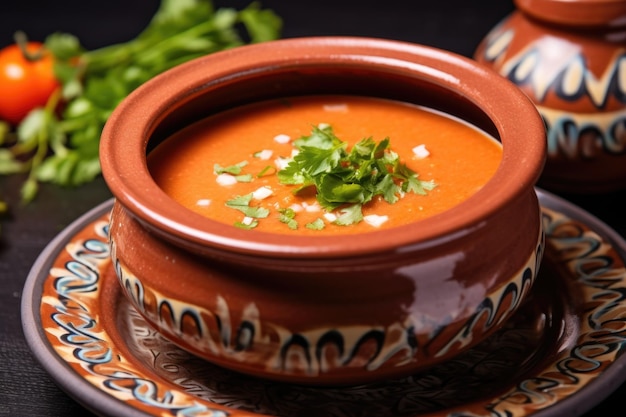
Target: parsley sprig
(347, 179)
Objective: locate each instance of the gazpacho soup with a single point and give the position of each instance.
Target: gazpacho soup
(320, 165)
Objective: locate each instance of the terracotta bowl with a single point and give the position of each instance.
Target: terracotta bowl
(326, 310)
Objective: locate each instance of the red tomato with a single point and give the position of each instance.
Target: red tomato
(24, 84)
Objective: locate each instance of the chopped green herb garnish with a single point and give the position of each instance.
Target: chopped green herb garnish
(347, 180)
(317, 224)
(344, 180)
(412, 184)
(242, 203)
(287, 216)
(244, 178)
(349, 215)
(267, 169)
(247, 226)
(232, 169)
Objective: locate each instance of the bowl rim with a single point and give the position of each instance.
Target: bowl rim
(126, 134)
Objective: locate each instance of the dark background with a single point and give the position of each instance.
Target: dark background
(455, 25)
(458, 26)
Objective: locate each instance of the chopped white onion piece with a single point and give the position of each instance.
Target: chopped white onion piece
(247, 220)
(265, 154)
(282, 138)
(311, 208)
(203, 202)
(262, 193)
(296, 207)
(281, 163)
(375, 220)
(421, 152)
(330, 217)
(226, 179)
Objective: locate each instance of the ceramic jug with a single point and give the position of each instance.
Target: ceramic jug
(569, 57)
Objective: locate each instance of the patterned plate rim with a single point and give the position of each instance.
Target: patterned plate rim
(103, 403)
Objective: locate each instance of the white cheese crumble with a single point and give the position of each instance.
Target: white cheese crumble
(323, 125)
(421, 152)
(203, 202)
(375, 220)
(282, 138)
(262, 193)
(226, 179)
(265, 154)
(247, 220)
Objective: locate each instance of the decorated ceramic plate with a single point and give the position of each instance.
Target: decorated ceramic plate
(562, 352)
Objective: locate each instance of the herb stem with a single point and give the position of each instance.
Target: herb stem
(62, 147)
(145, 50)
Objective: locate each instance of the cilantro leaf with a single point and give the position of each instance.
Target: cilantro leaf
(242, 203)
(317, 224)
(388, 189)
(349, 178)
(349, 215)
(232, 169)
(244, 178)
(293, 174)
(247, 226)
(287, 216)
(333, 192)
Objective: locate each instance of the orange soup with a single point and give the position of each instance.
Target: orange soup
(318, 165)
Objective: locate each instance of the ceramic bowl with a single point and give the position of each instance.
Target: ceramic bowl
(326, 310)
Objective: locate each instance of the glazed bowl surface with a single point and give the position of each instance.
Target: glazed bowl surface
(342, 309)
